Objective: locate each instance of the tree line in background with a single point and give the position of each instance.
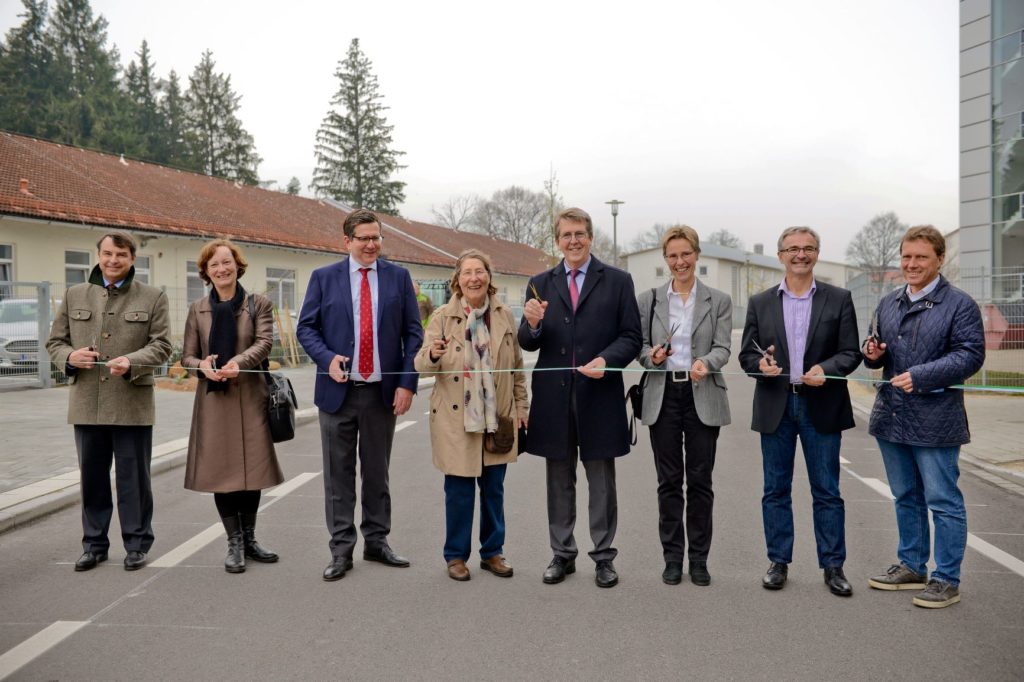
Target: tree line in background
(59, 81)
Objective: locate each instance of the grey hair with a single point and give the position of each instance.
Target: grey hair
(800, 230)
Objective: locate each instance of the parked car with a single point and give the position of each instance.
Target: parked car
(19, 335)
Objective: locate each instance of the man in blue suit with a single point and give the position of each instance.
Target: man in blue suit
(584, 321)
(362, 309)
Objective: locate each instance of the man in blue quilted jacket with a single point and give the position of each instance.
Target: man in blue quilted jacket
(926, 337)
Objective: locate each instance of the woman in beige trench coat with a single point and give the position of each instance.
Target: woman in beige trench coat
(470, 346)
(230, 451)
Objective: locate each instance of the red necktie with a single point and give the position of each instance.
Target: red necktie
(574, 292)
(365, 326)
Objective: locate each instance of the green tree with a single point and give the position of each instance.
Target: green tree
(87, 107)
(25, 78)
(172, 110)
(354, 159)
(147, 117)
(219, 145)
(293, 187)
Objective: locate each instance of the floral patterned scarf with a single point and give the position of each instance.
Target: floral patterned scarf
(480, 414)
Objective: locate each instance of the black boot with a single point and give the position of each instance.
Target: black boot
(235, 561)
(252, 548)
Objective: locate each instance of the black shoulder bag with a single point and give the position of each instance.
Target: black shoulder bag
(635, 394)
(281, 404)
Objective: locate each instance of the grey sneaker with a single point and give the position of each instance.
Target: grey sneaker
(938, 595)
(898, 577)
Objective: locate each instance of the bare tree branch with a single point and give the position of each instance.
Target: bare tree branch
(877, 245)
(457, 212)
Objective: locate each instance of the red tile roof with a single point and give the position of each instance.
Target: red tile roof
(55, 182)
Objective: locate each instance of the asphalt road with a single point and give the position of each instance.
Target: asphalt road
(183, 617)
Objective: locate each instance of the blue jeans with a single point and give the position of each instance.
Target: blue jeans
(459, 494)
(821, 453)
(921, 479)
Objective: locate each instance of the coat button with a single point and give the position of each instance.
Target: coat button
(102, 379)
(455, 407)
(455, 378)
(106, 335)
(563, 351)
(567, 320)
(434, 411)
(458, 349)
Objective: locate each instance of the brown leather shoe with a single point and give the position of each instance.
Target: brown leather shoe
(498, 565)
(457, 570)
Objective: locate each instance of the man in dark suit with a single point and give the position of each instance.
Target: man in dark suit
(585, 319)
(797, 334)
(361, 309)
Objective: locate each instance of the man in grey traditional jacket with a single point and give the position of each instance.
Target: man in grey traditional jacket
(110, 334)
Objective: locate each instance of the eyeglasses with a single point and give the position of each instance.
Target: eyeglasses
(371, 239)
(793, 250)
(570, 236)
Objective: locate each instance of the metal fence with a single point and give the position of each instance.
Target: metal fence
(1000, 295)
(27, 311)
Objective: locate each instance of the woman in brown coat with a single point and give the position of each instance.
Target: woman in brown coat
(230, 451)
(470, 345)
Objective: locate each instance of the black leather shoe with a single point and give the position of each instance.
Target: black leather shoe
(385, 555)
(134, 560)
(837, 582)
(673, 573)
(558, 569)
(606, 575)
(776, 576)
(88, 561)
(699, 573)
(337, 568)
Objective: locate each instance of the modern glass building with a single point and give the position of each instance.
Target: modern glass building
(992, 147)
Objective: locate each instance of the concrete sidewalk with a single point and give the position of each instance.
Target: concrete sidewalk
(39, 466)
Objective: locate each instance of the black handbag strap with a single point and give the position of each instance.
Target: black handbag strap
(643, 377)
(265, 365)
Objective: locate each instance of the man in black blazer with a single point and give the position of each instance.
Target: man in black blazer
(585, 319)
(797, 334)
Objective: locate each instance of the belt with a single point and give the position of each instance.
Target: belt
(361, 384)
(679, 376)
(798, 389)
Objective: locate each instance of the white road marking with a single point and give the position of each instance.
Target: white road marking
(36, 645)
(843, 460)
(986, 549)
(189, 547)
(995, 554)
(404, 425)
(290, 486)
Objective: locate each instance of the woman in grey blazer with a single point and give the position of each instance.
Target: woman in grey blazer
(687, 330)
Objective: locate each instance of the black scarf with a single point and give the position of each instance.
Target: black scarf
(223, 331)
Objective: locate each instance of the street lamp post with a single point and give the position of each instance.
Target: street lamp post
(615, 203)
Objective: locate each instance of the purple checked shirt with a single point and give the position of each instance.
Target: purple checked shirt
(796, 313)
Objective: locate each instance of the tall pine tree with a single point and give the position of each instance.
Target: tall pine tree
(146, 115)
(354, 159)
(88, 107)
(172, 110)
(218, 143)
(25, 73)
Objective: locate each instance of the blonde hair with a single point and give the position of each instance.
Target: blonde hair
(680, 232)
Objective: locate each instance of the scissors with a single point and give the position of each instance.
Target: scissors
(873, 330)
(536, 294)
(668, 339)
(762, 351)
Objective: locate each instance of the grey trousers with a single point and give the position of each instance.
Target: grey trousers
(364, 424)
(603, 507)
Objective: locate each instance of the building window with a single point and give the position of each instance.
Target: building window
(281, 288)
(6, 269)
(702, 270)
(195, 287)
(142, 269)
(76, 267)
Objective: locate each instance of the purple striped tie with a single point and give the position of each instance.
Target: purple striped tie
(574, 292)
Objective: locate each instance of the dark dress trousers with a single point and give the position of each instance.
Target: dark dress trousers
(357, 417)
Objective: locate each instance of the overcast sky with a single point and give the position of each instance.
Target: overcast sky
(744, 115)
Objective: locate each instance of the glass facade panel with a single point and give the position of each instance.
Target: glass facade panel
(1007, 16)
(142, 269)
(1007, 47)
(1008, 129)
(281, 287)
(1007, 169)
(1006, 208)
(1008, 88)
